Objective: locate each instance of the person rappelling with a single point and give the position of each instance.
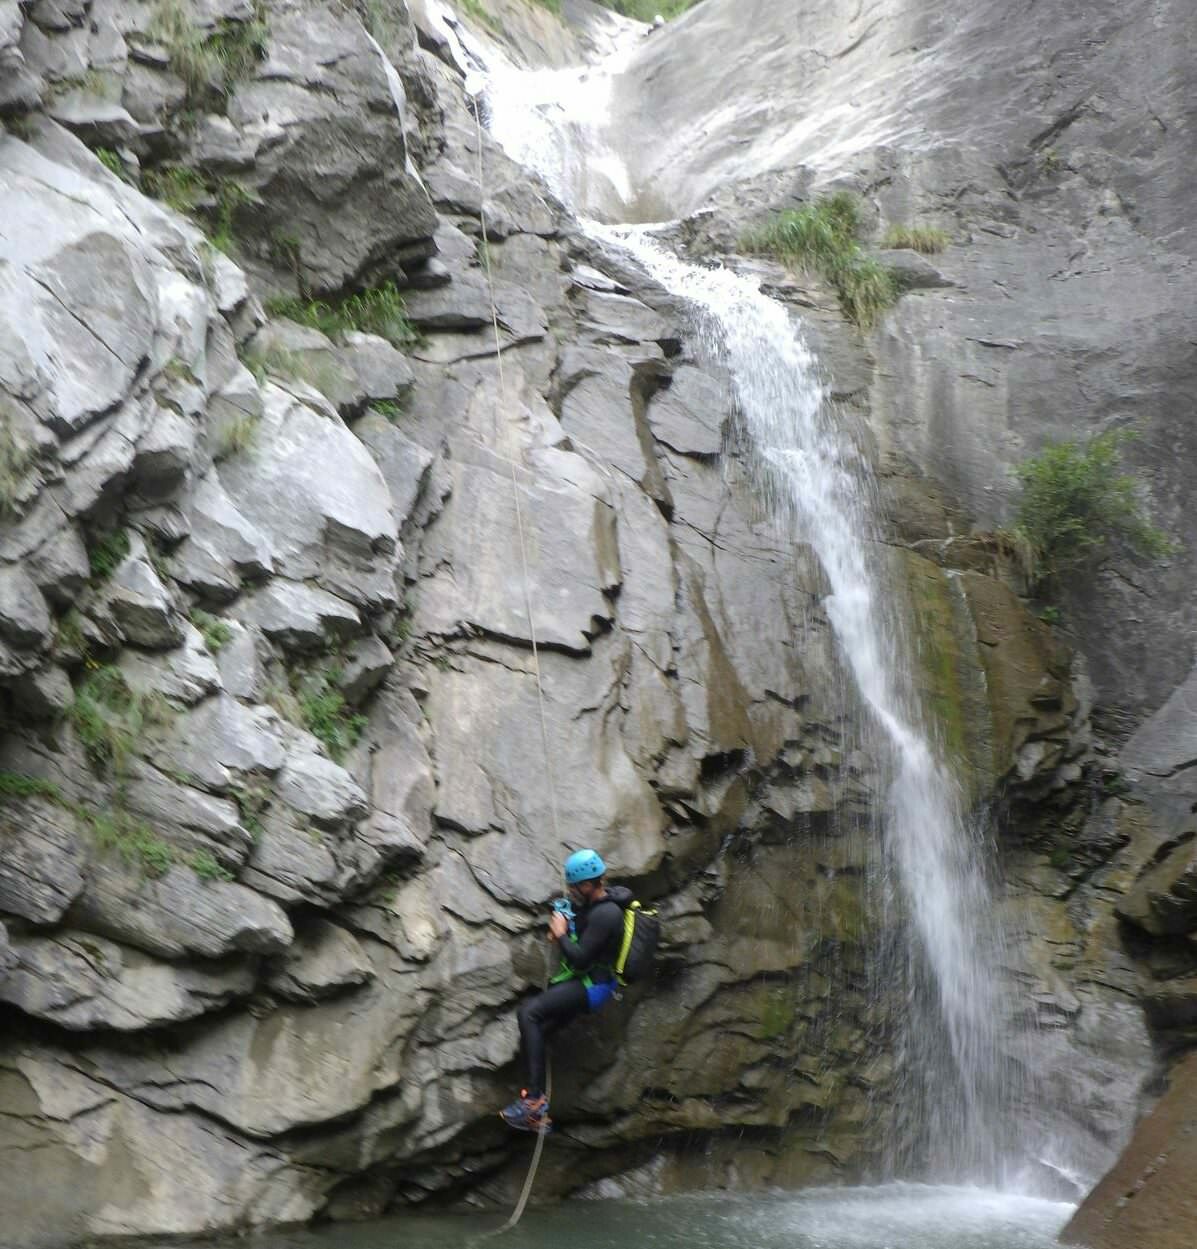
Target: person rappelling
(605, 940)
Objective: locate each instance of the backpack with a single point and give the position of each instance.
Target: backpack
(638, 950)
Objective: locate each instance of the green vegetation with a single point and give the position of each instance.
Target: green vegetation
(378, 310)
(647, 10)
(69, 635)
(111, 161)
(553, 6)
(216, 632)
(822, 239)
(303, 366)
(213, 200)
(924, 239)
(134, 840)
(480, 13)
(325, 713)
(389, 408)
(18, 785)
(1076, 504)
(209, 61)
(106, 552)
(16, 459)
(207, 867)
(777, 1010)
(251, 802)
(109, 718)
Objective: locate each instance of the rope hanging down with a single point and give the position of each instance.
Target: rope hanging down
(501, 415)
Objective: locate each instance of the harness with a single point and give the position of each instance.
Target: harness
(566, 972)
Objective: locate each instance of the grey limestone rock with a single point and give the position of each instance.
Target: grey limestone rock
(140, 604)
(179, 915)
(688, 416)
(320, 789)
(60, 566)
(223, 546)
(404, 464)
(24, 617)
(1164, 901)
(313, 490)
(367, 662)
(44, 861)
(299, 617)
(8, 957)
(325, 959)
(82, 983)
(221, 739)
(382, 371)
(186, 674)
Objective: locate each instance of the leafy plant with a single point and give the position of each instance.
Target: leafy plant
(301, 366)
(647, 10)
(251, 802)
(822, 238)
(924, 239)
(377, 310)
(480, 13)
(327, 716)
(106, 552)
(1076, 504)
(216, 632)
(177, 186)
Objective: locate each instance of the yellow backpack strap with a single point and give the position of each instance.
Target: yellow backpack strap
(629, 928)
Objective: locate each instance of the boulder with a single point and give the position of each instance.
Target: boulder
(320, 789)
(60, 567)
(299, 617)
(1148, 1197)
(223, 548)
(404, 463)
(140, 604)
(221, 739)
(24, 617)
(186, 674)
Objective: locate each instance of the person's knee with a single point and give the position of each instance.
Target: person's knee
(529, 1015)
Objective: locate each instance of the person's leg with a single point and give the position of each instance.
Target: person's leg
(541, 1015)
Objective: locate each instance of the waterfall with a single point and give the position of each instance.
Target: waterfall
(956, 1086)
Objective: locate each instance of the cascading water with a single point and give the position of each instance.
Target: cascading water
(957, 1083)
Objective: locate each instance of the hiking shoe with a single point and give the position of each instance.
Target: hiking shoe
(528, 1114)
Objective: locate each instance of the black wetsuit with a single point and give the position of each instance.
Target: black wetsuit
(599, 929)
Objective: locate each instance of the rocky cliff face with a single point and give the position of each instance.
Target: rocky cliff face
(276, 826)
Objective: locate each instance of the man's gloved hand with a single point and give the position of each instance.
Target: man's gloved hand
(558, 926)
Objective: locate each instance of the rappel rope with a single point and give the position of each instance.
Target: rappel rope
(501, 412)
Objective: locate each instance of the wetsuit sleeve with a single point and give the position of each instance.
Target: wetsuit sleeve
(599, 939)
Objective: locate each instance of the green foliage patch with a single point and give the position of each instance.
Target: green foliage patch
(822, 239)
(647, 10)
(110, 719)
(1076, 504)
(377, 310)
(213, 60)
(106, 552)
(216, 632)
(325, 713)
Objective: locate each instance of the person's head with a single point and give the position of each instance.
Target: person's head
(584, 871)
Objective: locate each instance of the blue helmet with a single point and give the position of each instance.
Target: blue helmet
(583, 865)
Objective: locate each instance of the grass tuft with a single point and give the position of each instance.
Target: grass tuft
(208, 61)
(134, 840)
(822, 238)
(327, 716)
(107, 552)
(927, 240)
(110, 719)
(207, 867)
(216, 632)
(18, 785)
(378, 310)
(234, 436)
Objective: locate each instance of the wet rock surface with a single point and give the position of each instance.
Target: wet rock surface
(275, 857)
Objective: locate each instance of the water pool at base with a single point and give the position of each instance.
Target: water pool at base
(894, 1216)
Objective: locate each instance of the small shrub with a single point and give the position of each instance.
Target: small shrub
(16, 459)
(251, 802)
(107, 552)
(378, 310)
(1075, 504)
(822, 238)
(480, 13)
(216, 632)
(133, 840)
(926, 240)
(327, 716)
(18, 785)
(69, 635)
(230, 196)
(207, 867)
